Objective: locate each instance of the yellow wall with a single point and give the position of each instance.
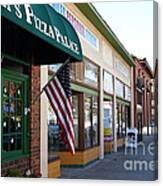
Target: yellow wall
(80, 157)
(54, 169)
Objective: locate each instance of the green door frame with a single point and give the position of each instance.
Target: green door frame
(17, 77)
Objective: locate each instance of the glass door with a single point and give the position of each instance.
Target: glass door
(14, 119)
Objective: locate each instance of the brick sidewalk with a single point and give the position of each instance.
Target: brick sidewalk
(112, 167)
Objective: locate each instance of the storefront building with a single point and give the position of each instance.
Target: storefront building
(101, 87)
(143, 86)
(31, 37)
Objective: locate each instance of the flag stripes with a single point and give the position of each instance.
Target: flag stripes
(66, 100)
(61, 105)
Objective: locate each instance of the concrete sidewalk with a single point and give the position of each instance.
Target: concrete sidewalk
(112, 166)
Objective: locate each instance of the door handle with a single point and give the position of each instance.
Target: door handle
(26, 110)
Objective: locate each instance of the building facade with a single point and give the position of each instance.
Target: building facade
(102, 93)
(143, 89)
(26, 45)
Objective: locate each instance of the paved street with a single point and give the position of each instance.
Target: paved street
(112, 166)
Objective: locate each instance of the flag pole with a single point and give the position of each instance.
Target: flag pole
(55, 74)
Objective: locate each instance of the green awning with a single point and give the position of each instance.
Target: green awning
(44, 22)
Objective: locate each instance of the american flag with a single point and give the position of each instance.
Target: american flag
(58, 91)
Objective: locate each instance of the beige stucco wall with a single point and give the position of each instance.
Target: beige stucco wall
(105, 56)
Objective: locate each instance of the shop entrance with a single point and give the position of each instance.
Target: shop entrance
(14, 119)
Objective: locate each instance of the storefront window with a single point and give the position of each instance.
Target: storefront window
(108, 121)
(14, 124)
(77, 72)
(95, 120)
(87, 129)
(127, 93)
(108, 82)
(91, 74)
(124, 122)
(54, 67)
(119, 88)
(123, 119)
(119, 121)
(55, 140)
(76, 119)
(12, 120)
(53, 134)
(91, 121)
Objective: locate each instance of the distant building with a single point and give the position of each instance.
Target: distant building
(143, 95)
(156, 94)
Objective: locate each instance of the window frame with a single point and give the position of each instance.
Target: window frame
(117, 91)
(10, 75)
(91, 119)
(105, 91)
(123, 116)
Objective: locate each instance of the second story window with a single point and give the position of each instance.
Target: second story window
(119, 88)
(108, 82)
(91, 74)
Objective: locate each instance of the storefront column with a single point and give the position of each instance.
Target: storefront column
(101, 115)
(44, 125)
(114, 116)
(35, 122)
(132, 98)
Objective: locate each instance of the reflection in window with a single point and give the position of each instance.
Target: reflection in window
(12, 107)
(54, 67)
(91, 74)
(91, 121)
(55, 135)
(95, 120)
(123, 119)
(119, 88)
(119, 121)
(127, 93)
(87, 129)
(108, 82)
(108, 120)
(76, 119)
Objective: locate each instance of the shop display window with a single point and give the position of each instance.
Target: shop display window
(55, 140)
(127, 93)
(108, 120)
(14, 125)
(119, 88)
(91, 74)
(123, 119)
(91, 121)
(108, 82)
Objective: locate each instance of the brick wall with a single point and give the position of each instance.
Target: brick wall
(35, 122)
(21, 165)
